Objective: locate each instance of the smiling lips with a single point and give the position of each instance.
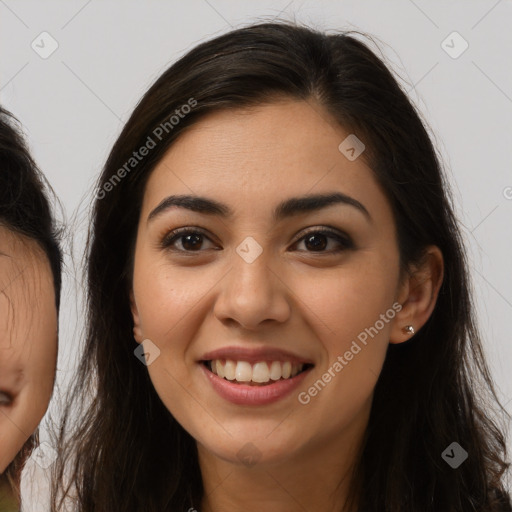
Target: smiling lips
(260, 373)
(254, 377)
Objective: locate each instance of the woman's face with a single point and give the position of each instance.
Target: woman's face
(250, 291)
(28, 341)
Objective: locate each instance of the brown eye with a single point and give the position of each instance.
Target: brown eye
(190, 240)
(318, 241)
(5, 399)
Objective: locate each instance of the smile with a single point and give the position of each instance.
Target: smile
(260, 383)
(259, 374)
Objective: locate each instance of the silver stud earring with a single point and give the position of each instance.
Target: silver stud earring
(408, 329)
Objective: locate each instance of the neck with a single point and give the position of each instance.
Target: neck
(317, 477)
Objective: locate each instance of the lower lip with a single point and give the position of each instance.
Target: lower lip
(243, 394)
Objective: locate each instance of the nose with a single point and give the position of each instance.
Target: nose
(252, 294)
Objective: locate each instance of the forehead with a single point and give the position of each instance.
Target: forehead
(262, 155)
(24, 267)
(27, 296)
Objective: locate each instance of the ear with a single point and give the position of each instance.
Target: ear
(137, 329)
(418, 294)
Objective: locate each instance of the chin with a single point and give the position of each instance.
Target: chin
(248, 449)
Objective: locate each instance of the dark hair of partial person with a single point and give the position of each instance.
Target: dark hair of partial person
(24, 196)
(126, 452)
(25, 210)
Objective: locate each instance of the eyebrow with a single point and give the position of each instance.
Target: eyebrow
(288, 208)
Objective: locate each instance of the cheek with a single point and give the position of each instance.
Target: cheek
(165, 297)
(20, 420)
(346, 301)
(350, 310)
(171, 311)
(41, 372)
(11, 441)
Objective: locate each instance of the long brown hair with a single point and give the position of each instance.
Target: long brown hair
(127, 453)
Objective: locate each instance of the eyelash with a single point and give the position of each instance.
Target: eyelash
(176, 234)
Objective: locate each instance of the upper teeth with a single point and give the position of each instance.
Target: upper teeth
(242, 371)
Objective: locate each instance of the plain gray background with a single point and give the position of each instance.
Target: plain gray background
(74, 102)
